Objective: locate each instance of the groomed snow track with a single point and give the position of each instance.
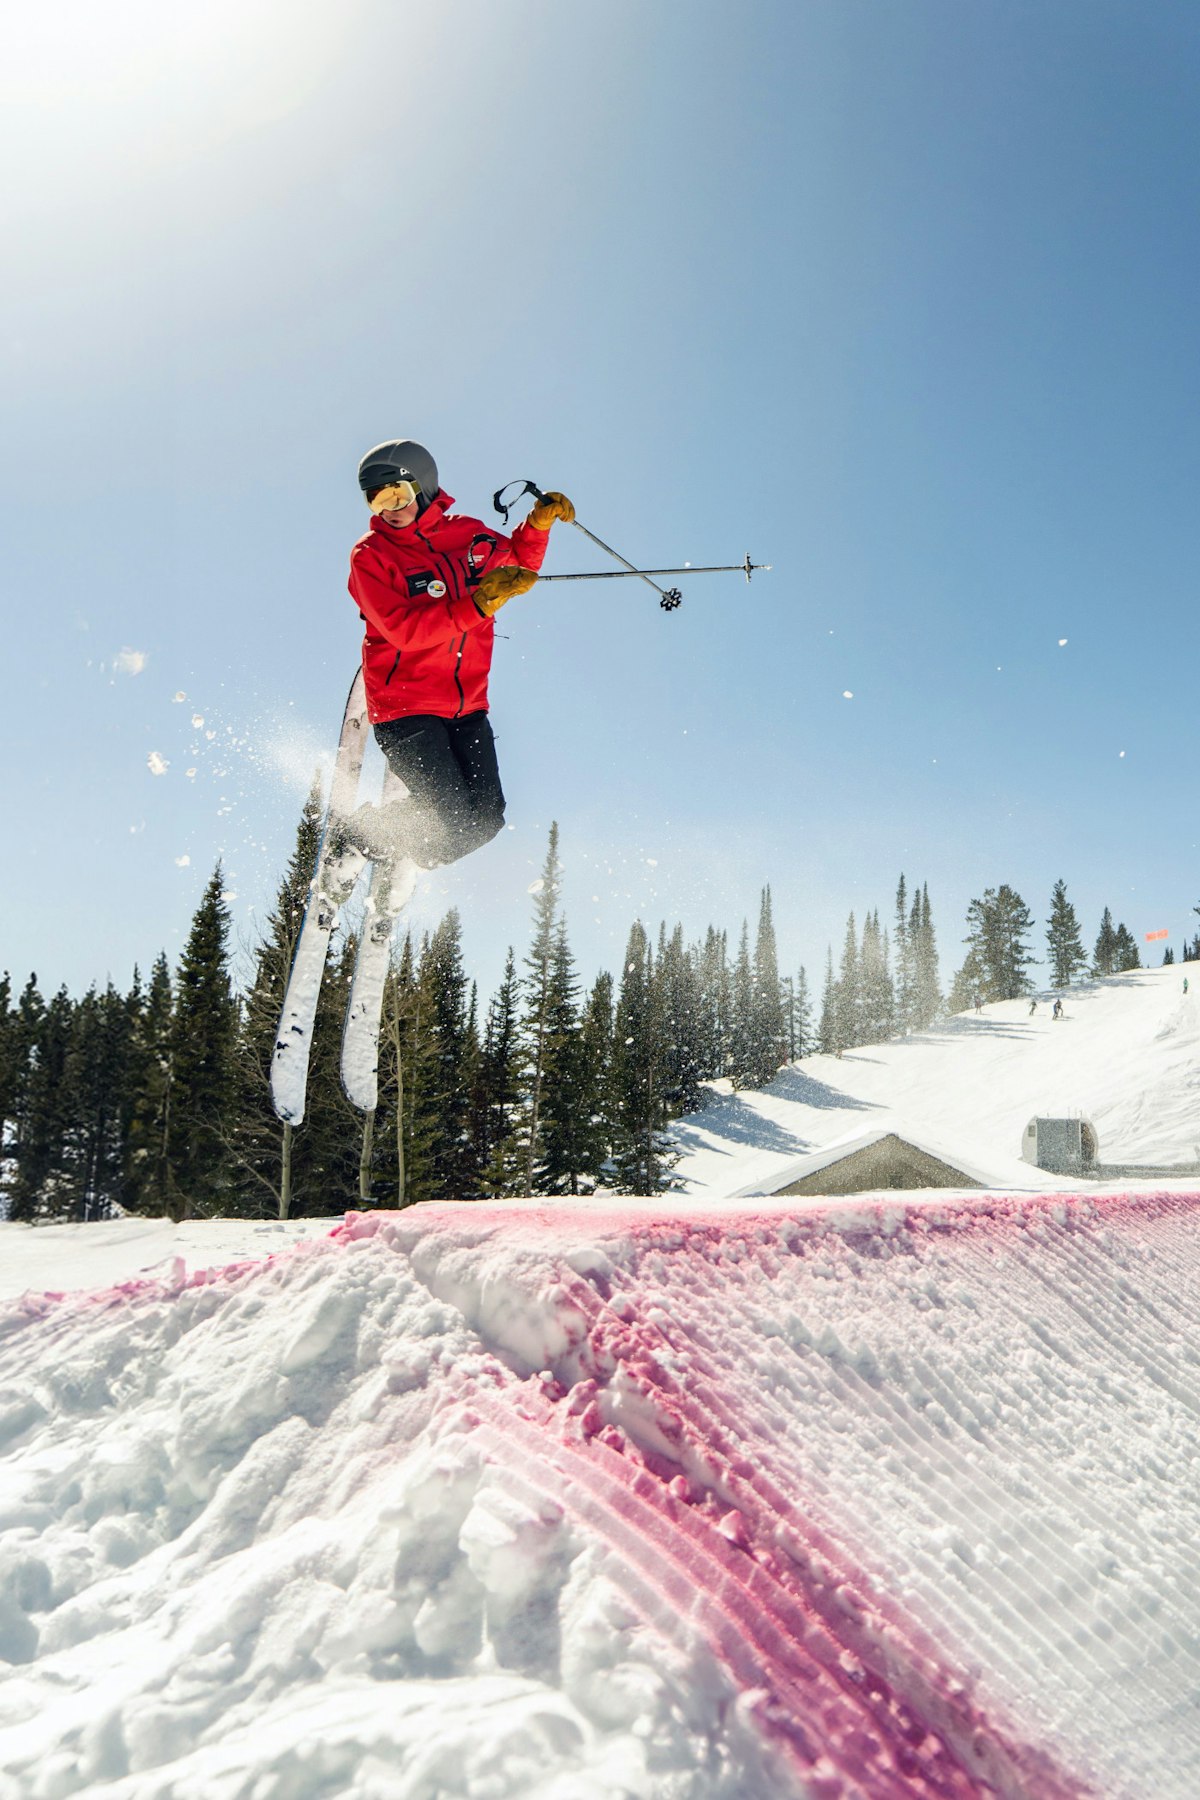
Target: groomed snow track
(866, 1501)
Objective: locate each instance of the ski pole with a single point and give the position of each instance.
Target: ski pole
(746, 568)
(669, 598)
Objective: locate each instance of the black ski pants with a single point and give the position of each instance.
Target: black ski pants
(449, 767)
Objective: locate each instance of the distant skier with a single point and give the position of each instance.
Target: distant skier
(1032, 1008)
(1057, 1011)
(979, 1003)
(427, 583)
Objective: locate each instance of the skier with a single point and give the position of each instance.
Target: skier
(1032, 1008)
(1057, 1010)
(427, 583)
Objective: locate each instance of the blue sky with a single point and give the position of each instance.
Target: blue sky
(898, 298)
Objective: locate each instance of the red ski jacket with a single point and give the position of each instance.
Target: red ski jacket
(427, 648)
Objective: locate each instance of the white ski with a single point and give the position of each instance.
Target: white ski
(392, 884)
(335, 875)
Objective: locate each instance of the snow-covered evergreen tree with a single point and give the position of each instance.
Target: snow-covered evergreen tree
(925, 992)
(768, 1033)
(1063, 940)
(877, 1006)
(741, 1024)
(803, 1036)
(847, 1003)
(499, 1071)
(146, 1180)
(999, 926)
(902, 958)
(442, 985)
(1104, 956)
(204, 1035)
(42, 1187)
(827, 1030)
(641, 1151)
(537, 988)
(1126, 954)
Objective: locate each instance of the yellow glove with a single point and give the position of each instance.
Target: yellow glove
(500, 586)
(549, 508)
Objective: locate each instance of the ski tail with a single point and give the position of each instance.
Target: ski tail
(293, 1040)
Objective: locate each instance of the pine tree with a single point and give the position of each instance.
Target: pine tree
(1169, 956)
(999, 925)
(499, 1082)
(405, 1123)
(847, 1006)
(569, 1100)
(442, 985)
(597, 1037)
(45, 1186)
(146, 1182)
(716, 1005)
(925, 996)
(902, 949)
(641, 1153)
(768, 1041)
(878, 999)
(1126, 954)
(97, 1074)
(8, 1069)
(827, 1031)
(204, 1041)
(802, 1017)
(683, 1030)
(539, 966)
(1104, 956)
(1067, 955)
(741, 1023)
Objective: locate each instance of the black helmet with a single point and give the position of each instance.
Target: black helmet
(399, 460)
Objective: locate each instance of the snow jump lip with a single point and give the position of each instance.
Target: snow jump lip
(880, 1458)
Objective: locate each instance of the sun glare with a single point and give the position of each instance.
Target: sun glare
(111, 78)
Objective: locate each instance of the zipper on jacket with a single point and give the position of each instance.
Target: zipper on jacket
(448, 566)
(462, 698)
(392, 670)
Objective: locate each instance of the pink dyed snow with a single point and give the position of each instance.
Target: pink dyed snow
(728, 1546)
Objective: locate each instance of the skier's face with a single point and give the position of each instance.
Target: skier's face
(401, 515)
(396, 504)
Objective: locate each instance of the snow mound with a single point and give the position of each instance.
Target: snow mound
(570, 1502)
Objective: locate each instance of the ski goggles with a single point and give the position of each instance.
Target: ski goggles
(395, 497)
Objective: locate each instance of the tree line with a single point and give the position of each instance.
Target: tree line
(999, 955)
(156, 1100)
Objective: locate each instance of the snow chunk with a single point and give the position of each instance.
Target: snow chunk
(157, 763)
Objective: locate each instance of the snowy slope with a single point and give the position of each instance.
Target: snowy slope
(1127, 1057)
(715, 1501)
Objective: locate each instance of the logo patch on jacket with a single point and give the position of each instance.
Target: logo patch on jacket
(479, 552)
(426, 582)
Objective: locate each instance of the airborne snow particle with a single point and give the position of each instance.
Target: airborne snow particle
(157, 763)
(847, 694)
(191, 774)
(179, 698)
(1061, 642)
(197, 720)
(129, 662)
(1122, 753)
(535, 887)
(652, 862)
(183, 862)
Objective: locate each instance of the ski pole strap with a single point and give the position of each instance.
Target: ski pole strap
(504, 507)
